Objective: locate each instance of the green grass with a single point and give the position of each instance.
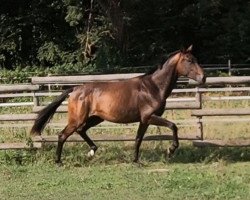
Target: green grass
(126, 181)
(193, 173)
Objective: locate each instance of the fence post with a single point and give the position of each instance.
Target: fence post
(200, 127)
(229, 67)
(49, 86)
(198, 97)
(35, 99)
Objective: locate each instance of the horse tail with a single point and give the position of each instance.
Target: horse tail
(47, 113)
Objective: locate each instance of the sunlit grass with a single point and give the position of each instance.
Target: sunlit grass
(126, 181)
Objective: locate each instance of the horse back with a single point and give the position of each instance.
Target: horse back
(112, 101)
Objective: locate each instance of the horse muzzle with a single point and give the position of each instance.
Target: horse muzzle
(201, 79)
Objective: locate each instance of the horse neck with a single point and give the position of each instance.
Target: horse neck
(165, 78)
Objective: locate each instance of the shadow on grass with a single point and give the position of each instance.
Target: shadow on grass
(115, 153)
(184, 154)
(190, 154)
(120, 153)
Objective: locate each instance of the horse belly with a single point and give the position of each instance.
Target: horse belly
(116, 108)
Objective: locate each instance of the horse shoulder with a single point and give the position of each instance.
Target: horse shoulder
(150, 100)
(150, 92)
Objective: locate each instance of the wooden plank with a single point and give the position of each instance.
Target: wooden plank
(82, 79)
(182, 105)
(226, 98)
(113, 138)
(225, 89)
(31, 94)
(60, 109)
(11, 95)
(18, 117)
(88, 78)
(222, 143)
(13, 146)
(16, 104)
(18, 88)
(224, 80)
(221, 112)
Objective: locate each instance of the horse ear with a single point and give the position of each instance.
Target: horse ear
(189, 49)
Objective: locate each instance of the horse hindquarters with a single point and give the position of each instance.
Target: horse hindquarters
(77, 116)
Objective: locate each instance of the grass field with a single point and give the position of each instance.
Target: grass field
(125, 181)
(193, 173)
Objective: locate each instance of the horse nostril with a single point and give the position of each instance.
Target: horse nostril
(201, 79)
(204, 79)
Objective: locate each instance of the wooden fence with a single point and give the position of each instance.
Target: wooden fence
(194, 103)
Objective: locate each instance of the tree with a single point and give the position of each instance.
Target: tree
(105, 34)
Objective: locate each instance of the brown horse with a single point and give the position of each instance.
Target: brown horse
(141, 99)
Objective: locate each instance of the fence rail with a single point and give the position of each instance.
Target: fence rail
(81, 79)
(225, 80)
(18, 88)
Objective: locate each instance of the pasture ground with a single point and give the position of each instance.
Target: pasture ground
(207, 173)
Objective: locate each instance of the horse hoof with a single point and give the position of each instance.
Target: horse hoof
(138, 163)
(168, 155)
(59, 163)
(91, 153)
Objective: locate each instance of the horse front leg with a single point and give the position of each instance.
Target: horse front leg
(159, 121)
(140, 133)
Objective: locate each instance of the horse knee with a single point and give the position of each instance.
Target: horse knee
(61, 137)
(65, 133)
(173, 127)
(145, 119)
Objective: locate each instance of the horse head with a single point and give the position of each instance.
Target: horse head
(188, 66)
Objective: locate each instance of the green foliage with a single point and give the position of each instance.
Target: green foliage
(23, 75)
(52, 54)
(53, 33)
(74, 15)
(49, 52)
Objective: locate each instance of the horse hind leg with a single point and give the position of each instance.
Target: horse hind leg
(77, 116)
(90, 122)
(62, 137)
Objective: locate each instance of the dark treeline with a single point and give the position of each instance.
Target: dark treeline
(112, 33)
